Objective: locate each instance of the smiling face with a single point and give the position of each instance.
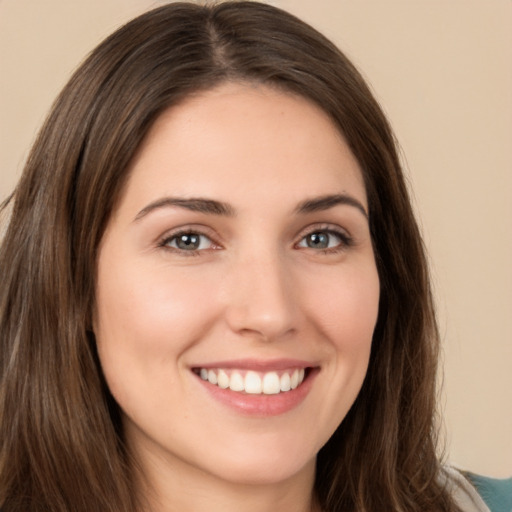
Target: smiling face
(237, 291)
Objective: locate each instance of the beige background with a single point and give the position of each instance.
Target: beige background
(442, 70)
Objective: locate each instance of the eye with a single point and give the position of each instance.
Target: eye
(325, 239)
(188, 241)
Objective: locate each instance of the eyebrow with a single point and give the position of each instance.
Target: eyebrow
(195, 204)
(213, 207)
(329, 201)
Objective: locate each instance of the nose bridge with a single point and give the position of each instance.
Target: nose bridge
(261, 300)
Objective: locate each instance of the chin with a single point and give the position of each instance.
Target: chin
(263, 463)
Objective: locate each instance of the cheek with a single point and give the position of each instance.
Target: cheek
(144, 321)
(347, 308)
(145, 308)
(344, 311)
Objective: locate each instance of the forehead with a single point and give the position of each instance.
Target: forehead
(244, 140)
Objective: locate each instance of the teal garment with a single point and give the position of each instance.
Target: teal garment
(497, 493)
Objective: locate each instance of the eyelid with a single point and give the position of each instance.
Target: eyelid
(324, 226)
(195, 229)
(345, 237)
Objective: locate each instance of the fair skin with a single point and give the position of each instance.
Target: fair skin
(236, 299)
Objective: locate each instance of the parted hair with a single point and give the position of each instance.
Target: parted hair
(61, 439)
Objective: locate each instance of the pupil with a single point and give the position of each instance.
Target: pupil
(188, 241)
(318, 240)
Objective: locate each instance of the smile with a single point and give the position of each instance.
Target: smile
(252, 382)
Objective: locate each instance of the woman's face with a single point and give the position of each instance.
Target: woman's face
(237, 290)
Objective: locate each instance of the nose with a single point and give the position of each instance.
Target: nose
(260, 298)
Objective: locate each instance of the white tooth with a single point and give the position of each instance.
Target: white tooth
(203, 374)
(302, 373)
(252, 383)
(271, 384)
(294, 381)
(212, 377)
(285, 382)
(223, 379)
(236, 382)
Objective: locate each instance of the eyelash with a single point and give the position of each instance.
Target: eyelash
(345, 241)
(168, 239)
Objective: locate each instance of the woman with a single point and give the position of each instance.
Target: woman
(214, 292)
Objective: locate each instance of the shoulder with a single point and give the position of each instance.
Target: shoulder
(475, 493)
(497, 493)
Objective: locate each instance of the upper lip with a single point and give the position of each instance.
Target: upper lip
(258, 364)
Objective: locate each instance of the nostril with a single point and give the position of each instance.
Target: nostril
(259, 302)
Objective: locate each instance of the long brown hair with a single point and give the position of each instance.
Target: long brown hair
(61, 445)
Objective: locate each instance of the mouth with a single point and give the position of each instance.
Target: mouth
(253, 382)
(258, 388)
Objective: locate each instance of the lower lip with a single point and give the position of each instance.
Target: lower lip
(261, 405)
